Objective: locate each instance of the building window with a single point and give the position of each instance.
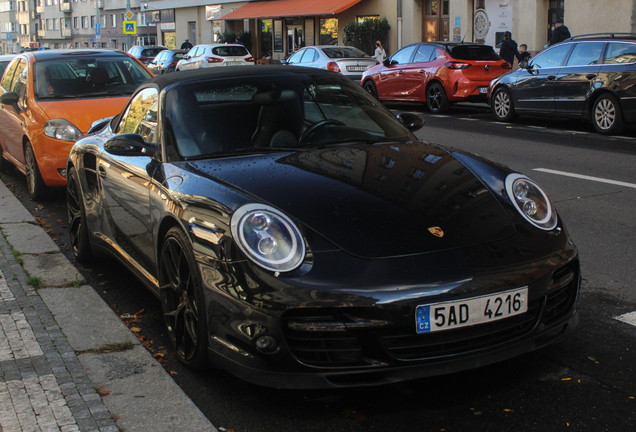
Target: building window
(362, 18)
(76, 22)
(93, 19)
(142, 19)
(84, 22)
(102, 19)
(55, 24)
(113, 20)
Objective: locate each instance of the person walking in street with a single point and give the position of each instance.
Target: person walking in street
(380, 54)
(186, 45)
(560, 33)
(508, 50)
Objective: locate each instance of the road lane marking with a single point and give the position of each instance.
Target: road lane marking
(584, 177)
(629, 318)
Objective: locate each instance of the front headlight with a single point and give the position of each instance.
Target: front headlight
(531, 201)
(62, 129)
(268, 237)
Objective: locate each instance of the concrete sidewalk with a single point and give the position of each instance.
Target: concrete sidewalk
(67, 362)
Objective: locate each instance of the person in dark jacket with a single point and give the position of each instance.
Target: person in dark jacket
(186, 45)
(524, 55)
(508, 50)
(560, 32)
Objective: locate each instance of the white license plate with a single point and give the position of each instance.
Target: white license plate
(467, 312)
(483, 90)
(356, 68)
(233, 63)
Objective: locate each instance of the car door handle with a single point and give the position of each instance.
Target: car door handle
(551, 77)
(422, 71)
(590, 76)
(101, 171)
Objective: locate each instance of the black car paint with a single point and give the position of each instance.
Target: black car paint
(371, 296)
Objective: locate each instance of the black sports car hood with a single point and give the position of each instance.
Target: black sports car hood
(372, 201)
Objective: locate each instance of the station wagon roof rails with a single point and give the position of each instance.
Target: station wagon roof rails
(604, 35)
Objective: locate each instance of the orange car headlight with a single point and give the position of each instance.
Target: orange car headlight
(62, 129)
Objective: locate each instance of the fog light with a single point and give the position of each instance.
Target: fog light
(266, 343)
(62, 172)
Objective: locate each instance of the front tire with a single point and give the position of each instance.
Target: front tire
(182, 300)
(502, 106)
(607, 115)
(371, 88)
(35, 185)
(76, 213)
(436, 99)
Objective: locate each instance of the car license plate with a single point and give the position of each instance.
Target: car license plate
(356, 68)
(483, 90)
(233, 63)
(478, 310)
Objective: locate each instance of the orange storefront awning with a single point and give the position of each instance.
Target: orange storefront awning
(289, 8)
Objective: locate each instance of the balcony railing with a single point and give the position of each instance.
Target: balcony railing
(42, 33)
(66, 33)
(66, 7)
(39, 9)
(100, 4)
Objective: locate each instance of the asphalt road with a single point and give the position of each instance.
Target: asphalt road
(586, 382)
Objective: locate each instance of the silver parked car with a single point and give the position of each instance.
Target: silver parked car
(349, 61)
(213, 55)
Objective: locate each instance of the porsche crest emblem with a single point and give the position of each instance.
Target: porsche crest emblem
(436, 231)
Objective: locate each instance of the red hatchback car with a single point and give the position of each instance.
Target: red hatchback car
(438, 73)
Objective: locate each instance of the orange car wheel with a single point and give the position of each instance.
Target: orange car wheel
(35, 184)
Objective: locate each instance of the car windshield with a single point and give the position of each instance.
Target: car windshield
(87, 77)
(262, 113)
(473, 52)
(230, 51)
(151, 52)
(344, 52)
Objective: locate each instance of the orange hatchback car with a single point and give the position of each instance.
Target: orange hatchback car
(437, 73)
(49, 99)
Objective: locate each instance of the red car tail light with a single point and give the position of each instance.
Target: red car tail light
(506, 65)
(249, 59)
(457, 65)
(213, 59)
(173, 63)
(143, 58)
(333, 66)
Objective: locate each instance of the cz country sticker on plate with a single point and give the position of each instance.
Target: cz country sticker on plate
(467, 312)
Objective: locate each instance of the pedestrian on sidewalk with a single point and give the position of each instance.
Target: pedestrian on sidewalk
(186, 44)
(524, 55)
(508, 50)
(380, 54)
(560, 33)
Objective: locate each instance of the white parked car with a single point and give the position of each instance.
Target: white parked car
(213, 55)
(349, 61)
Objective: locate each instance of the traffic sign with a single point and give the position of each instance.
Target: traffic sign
(130, 27)
(129, 15)
(92, 38)
(98, 29)
(98, 38)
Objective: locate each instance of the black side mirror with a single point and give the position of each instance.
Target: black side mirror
(129, 145)
(523, 64)
(386, 62)
(412, 121)
(11, 98)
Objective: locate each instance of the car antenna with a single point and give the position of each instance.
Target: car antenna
(465, 33)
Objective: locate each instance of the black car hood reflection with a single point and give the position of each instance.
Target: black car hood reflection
(372, 201)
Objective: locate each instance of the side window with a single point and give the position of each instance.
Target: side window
(20, 81)
(141, 115)
(619, 53)
(404, 55)
(423, 53)
(586, 53)
(198, 52)
(8, 75)
(309, 56)
(295, 58)
(551, 57)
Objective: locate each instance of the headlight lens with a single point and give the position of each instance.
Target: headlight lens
(531, 201)
(268, 237)
(62, 129)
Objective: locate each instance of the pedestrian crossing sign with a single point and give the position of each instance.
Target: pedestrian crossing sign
(130, 27)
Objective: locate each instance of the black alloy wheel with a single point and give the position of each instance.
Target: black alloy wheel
(5, 165)
(436, 99)
(35, 185)
(370, 87)
(182, 300)
(502, 105)
(76, 214)
(607, 115)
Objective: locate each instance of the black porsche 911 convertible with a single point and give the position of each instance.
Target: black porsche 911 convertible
(300, 236)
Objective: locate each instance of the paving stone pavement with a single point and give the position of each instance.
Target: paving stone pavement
(43, 386)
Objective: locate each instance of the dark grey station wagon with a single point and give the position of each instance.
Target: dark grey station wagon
(587, 76)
